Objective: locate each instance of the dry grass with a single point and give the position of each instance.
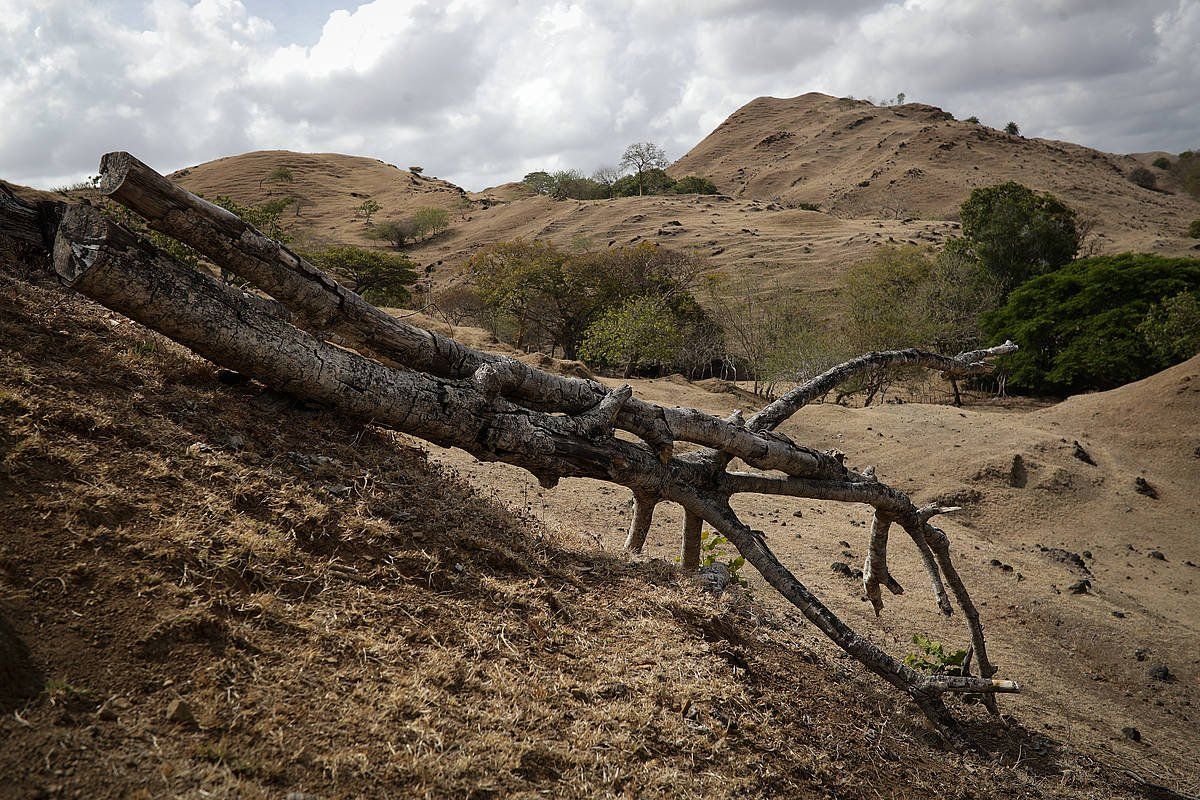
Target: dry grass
(338, 617)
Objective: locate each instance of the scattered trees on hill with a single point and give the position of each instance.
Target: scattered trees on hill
(641, 157)
(1017, 233)
(540, 295)
(1098, 323)
(606, 183)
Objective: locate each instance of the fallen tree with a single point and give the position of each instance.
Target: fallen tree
(499, 409)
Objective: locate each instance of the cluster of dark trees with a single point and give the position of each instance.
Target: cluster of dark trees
(641, 171)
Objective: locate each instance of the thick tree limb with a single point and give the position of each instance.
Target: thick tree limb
(497, 408)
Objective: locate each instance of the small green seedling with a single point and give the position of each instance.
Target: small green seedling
(711, 551)
(931, 657)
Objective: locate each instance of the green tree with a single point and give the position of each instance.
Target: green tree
(430, 221)
(972, 120)
(382, 278)
(1162, 162)
(652, 181)
(277, 175)
(1016, 233)
(884, 294)
(641, 333)
(1194, 229)
(1012, 129)
(1078, 327)
(641, 157)
(1172, 328)
(540, 182)
(367, 209)
(395, 232)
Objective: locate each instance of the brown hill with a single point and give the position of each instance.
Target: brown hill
(859, 160)
(329, 186)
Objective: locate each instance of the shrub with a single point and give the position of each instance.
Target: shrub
(650, 181)
(1143, 178)
(382, 278)
(1194, 229)
(1016, 233)
(1078, 327)
(1162, 162)
(972, 119)
(1012, 130)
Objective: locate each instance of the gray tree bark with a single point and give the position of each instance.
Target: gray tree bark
(500, 409)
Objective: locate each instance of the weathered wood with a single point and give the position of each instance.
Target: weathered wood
(689, 553)
(497, 408)
(28, 224)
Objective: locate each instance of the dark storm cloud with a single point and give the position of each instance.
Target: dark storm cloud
(481, 91)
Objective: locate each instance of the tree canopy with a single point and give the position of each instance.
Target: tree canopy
(1078, 327)
(1017, 233)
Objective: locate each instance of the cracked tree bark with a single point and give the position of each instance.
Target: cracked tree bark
(499, 409)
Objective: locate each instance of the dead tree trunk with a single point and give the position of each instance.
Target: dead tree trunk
(499, 409)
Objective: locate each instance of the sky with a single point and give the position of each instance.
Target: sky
(484, 91)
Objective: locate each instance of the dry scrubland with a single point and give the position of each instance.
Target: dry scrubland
(209, 590)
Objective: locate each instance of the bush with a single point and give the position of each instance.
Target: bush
(1143, 178)
(1016, 233)
(395, 232)
(367, 209)
(972, 119)
(382, 278)
(1162, 162)
(1172, 328)
(1012, 130)
(694, 184)
(1078, 327)
(650, 181)
(1194, 229)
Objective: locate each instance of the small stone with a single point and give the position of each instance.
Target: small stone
(1161, 672)
(1157, 555)
(179, 711)
(1082, 454)
(1141, 653)
(1143, 486)
(841, 569)
(1119, 614)
(797, 513)
(1080, 587)
(1131, 733)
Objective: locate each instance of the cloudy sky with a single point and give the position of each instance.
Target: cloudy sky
(483, 91)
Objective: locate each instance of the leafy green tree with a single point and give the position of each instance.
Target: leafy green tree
(1172, 328)
(430, 221)
(884, 294)
(540, 182)
(266, 217)
(1078, 327)
(694, 184)
(1016, 233)
(1012, 129)
(277, 175)
(382, 278)
(367, 209)
(652, 181)
(642, 157)
(395, 232)
(641, 333)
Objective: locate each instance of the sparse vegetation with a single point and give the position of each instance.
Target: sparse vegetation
(1162, 162)
(367, 209)
(933, 658)
(1194, 229)
(277, 175)
(642, 157)
(1012, 129)
(423, 223)
(974, 120)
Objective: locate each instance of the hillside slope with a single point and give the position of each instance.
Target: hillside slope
(209, 590)
(861, 160)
